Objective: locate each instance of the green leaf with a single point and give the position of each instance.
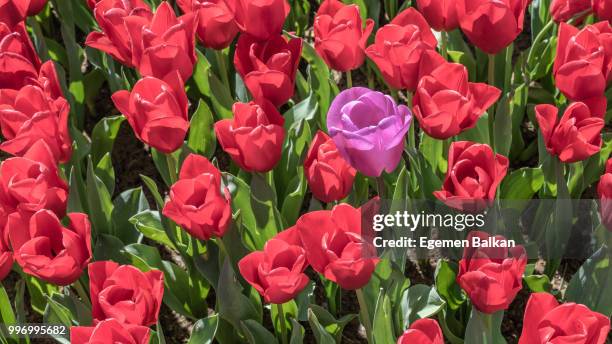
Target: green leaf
(125, 205)
(104, 170)
(202, 138)
(204, 330)
(99, 202)
(522, 184)
(103, 137)
(538, 283)
(149, 224)
(209, 85)
(503, 127)
(232, 304)
(333, 326)
(418, 302)
(449, 291)
(6, 309)
(297, 334)
(484, 328)
(321, 335)
(382, 328)
(256, 333)
(591, 285)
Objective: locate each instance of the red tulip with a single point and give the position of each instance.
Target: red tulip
(47, 250)
(48, 82)
(36, 6)
(574, 137)
(491, 25)
(604, 190)
(564, 10)
(329, 176)
(268, 67)
(29, 115)
(16, 71)
(277, 272)
(290, 235)
(262, 19)
(13, 12)
(335, 246)
(474, 173)
(157, 111)
(216, 25)
(254, 137)
(32, 183)
(165, 44)
(16, 40)
(92, 3)
(602, 9)
(440, 14)
(399, 46)
(114, 39)
(547, 321)
(125, 293)
(197, 203)
(583, 64)
(446, 104)
(6, 255)
(109, 332)
(491, 276)
(340, 38)
(422, 331)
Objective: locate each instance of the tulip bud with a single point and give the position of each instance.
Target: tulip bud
(329, 176)
(268, 68)
(197, 203)
(157, 111)
(254, 137)
(340, 38)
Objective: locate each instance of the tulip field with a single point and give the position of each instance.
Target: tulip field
(305, 171)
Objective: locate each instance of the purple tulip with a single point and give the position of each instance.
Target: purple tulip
(368, 128)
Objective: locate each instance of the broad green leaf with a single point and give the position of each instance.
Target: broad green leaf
(99, 202)
(232, 304)
(125, 205)
(202, 138)
(591, 285)
(104, 170)
(447, 288)
(333, 326)
(256, 333)
(204, 330)
(484, 328)
(418, 302)
(538, 283)
(149, 224)
(382, 328)
(103, 137)
(522, 184)
(320, 333)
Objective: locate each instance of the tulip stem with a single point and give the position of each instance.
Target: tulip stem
(491, 111)
(222, 68)
(171, 161)
(380, 186)
(283, 325)
(365, 314)
(349, 79)
(444, 44)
